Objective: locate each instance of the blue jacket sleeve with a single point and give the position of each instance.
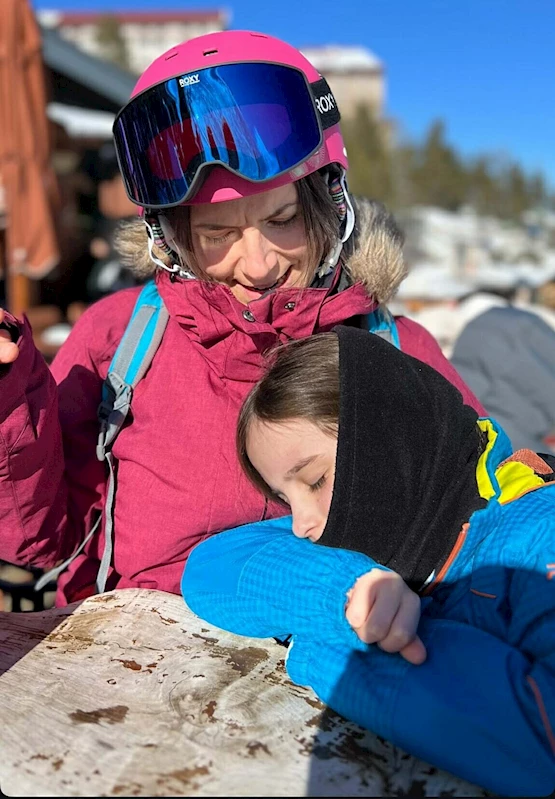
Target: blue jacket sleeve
(478, 707)
(469, 709)
(260, 580)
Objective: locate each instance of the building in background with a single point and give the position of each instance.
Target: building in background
(132, 39)
(84, 95)
(356, 77)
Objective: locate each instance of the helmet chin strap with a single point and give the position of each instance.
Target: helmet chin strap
(174, 269)
(350, 218)
(330, 262)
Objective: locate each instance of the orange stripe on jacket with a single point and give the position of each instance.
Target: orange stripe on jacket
(483, 593)
(447, 565)
(543, 712)
(527, 491)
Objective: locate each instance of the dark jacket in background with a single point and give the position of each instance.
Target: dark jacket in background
(507, 357)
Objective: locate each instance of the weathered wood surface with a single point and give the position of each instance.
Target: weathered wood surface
(129, 694)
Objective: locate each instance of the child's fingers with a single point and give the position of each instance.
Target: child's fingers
(8, 350)
(405, 624)
(415, 652)
(373, 605)
(359, 601)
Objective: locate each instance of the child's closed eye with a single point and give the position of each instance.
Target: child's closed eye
(318, 484)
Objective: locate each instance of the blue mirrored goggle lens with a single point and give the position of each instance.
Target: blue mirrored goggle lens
(257, 119)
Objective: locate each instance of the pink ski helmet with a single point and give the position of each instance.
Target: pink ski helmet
(224, 116)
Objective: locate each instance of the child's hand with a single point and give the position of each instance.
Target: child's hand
(8, 350)
(383, 610)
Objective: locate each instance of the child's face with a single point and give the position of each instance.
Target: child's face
(297, 461)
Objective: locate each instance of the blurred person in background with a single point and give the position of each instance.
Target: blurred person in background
(108, 273)
(502, 345)
(434, 298)
(507, 355)
(232, 148)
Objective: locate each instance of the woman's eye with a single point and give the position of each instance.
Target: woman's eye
(218, 239)
(283, 222)
(318, 484)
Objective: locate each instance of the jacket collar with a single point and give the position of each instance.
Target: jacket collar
(503, 475)
(211, 312)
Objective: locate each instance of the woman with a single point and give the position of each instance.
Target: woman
(383, 466)
(238, 167)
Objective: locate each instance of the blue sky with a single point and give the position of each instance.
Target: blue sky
(487, 67)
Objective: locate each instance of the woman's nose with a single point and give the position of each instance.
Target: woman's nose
(259, 259)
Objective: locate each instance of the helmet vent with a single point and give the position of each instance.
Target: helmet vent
(260, 35)
(171, 55)
(209, 52)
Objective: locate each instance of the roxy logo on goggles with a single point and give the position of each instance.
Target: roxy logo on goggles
(325, 103)
(188, 80)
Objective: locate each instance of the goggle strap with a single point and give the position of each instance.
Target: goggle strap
(325, 103)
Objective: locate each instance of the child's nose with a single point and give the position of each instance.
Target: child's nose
(305, 520)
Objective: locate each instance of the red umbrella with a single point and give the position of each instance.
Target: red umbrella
(28, 180)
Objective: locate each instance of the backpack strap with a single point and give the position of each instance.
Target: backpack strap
(382, 322)
(132, 358)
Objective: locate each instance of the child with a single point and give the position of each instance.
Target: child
(384, 466)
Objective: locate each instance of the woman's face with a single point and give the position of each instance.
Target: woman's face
(297, 461)
(252, 244)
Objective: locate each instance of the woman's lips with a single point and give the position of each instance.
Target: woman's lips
(256, 292)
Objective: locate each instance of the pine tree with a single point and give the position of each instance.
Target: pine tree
(438, 176)
(482, 186)
(516, 192)
(369, 156)
(537, 191)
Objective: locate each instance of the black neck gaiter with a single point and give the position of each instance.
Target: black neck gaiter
(408, 447)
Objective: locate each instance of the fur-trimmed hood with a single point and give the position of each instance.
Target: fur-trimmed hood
(373, 256)
(376, 253)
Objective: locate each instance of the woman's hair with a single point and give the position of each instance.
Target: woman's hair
(318, 211)
(301, 382)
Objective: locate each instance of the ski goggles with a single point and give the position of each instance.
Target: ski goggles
(257, 119)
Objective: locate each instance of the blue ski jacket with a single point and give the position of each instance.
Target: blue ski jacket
(482, 705)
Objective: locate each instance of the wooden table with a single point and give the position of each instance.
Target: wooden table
(129, 694)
